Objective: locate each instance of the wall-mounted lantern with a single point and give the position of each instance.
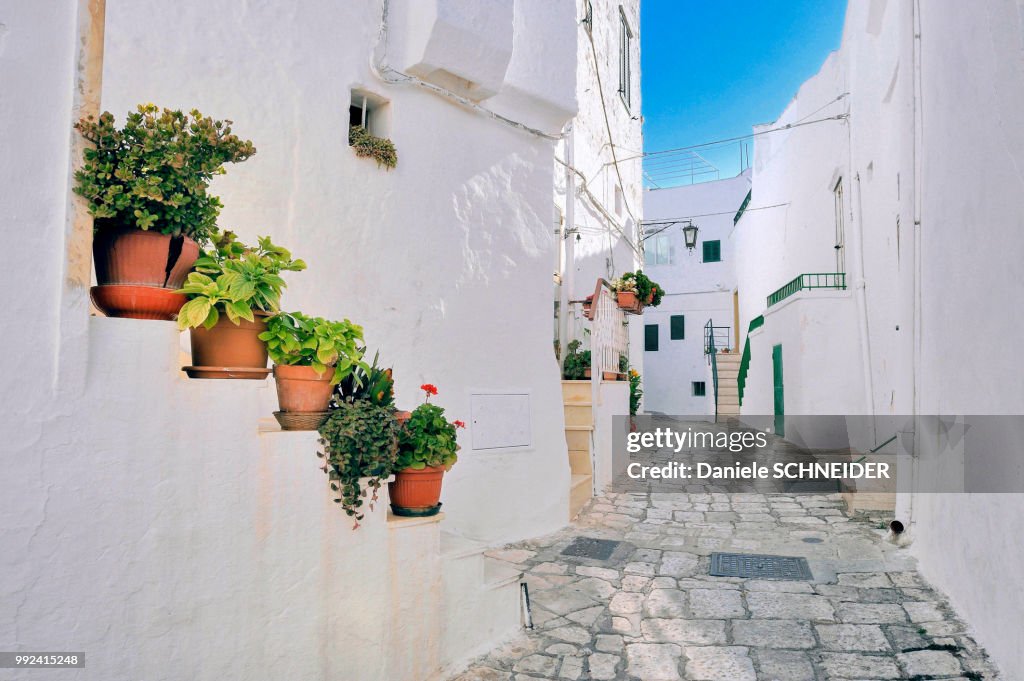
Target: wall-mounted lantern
(690, 236)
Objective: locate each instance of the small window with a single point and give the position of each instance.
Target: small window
(369, 111)
(658, 250)
(712, 251)
(651, 337)
(625, 52)
(699, 389)
(677, 327)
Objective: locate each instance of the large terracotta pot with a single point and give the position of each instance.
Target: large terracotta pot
(301, 389)
(230, 350)
(417, 492)
(141, 257)
(137, 302)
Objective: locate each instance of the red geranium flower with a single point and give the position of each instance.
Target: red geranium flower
(429, 388)
(458, 424)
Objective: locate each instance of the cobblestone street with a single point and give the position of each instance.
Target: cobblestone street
(651, 612)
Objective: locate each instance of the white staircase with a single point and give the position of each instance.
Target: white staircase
(481, 601)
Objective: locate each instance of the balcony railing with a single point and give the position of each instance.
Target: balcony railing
(832, 280)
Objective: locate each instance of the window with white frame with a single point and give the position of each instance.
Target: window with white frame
(625, 56)
(658, 250)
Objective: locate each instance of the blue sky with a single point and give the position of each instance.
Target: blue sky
(713, 68)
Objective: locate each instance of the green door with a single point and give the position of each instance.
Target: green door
(780, 419)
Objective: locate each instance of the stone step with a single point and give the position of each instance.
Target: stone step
(576, 391)
(580, 492)
(578, 415)
(579, 462)
(578, 437)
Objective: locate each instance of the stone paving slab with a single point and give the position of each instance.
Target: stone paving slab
(652, 612)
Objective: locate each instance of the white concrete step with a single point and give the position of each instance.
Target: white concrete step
(481, 600)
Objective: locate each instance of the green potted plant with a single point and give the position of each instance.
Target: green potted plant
(232, 291)
(635, 392)
(311, 355)
(146, 186)
(576, 365)
(634, 290)
(359, 443)
(373, 383)
(427, 447)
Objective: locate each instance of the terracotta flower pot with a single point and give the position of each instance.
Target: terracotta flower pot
(628, 302)
(137, 302)
(416, 492)
(402, 416)
(141, 257)
(650, 297)
(300, 388)
(230, 346)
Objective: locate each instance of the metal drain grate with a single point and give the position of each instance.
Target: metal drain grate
(589, 547)
(759, 566)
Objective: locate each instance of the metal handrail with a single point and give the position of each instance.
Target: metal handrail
(716, 338)
(741, 376)
(832, 280)
(709, 348)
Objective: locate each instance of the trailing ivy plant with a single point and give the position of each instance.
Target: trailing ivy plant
(428, 438)
(154, 172)
(381, 149)
(576, 363)
(359, 440)
(292, 338)
(236, 280)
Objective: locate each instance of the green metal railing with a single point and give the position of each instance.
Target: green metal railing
(833, 280)
(743, 207)
(741, 377)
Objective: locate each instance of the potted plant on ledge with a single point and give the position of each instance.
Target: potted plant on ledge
(311, 355)
(360, 438)
(146, 186)
(232, 292)
(427, 448)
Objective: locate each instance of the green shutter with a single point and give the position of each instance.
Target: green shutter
(677, 327)
(699, 389)
(712, 251)
(651, 337)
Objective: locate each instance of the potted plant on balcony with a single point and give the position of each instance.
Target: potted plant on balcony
(626, 294)
(311, 355)
(576, 365)
(635, 290)
(359, 441)
(232, 292)
(146, 186)
(427, 448)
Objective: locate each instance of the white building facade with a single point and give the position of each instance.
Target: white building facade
(700, 286)
(873, 273)
(147, 514)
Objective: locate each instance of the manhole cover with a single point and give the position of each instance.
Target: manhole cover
(589, 547)
(758, 566)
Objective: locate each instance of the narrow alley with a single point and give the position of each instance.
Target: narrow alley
(650, 611)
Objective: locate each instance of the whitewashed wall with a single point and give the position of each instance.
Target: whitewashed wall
(695, 289)
(146, 519)
(971, 246)
(933, 236)
(604, 237)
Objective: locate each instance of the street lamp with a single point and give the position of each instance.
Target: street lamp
(690, 236)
